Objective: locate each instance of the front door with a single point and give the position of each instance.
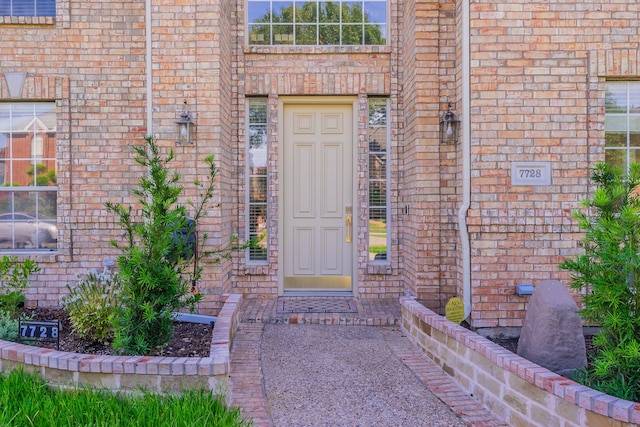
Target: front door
(318, 206)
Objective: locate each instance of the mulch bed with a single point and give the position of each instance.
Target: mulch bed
(189, 339)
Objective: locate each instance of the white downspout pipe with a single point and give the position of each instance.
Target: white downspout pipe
(466, 158)
(149, 61)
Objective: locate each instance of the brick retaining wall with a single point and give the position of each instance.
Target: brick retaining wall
(517, 390)
(132, 373)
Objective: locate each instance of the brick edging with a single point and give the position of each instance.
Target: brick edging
(130, 373)
(441, 350)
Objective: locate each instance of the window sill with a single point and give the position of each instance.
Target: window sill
(28, 20)
(255, 269)
(315, 50)
(380, 268)
(39, 256)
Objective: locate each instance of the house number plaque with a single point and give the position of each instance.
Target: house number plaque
(531, 173)
(34, 331)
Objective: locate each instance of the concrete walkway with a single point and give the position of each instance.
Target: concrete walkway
(293, 364)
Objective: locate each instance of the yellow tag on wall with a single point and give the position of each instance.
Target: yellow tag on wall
(454, 310)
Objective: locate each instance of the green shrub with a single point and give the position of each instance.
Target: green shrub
(159, 266)
(91, 304)
(609, 275)
(8, 327)
(14, 279)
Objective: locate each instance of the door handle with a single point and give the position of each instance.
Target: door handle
(348, 221)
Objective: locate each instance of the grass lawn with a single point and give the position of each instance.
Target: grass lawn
(26, 400)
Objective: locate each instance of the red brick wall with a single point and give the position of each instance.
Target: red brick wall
(537, 94)
(537, 73)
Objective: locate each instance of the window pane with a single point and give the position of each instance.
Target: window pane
(259, 34)
(616, 98)
(258, 11)
(283, 34)
(375, 12)
(306, 12)
(329, 35)
(306, 34)
(258, 189)
(354, 23)
(282, 11)
(46, 8)
(375, 34)
(352, 12)
(24, 8)
(377, 235)
(615, 139)
(351, 34)
(378, 199)
(329, 12)
(617, 158)
(28, 159)
(23, 224)
(377, 139)
(257, 178)
(377, 194)
(377, 113)
(634, 98)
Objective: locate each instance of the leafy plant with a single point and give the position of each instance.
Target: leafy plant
(159, 264)
(14, 279)
(8, 327)
(91, 304)
(609, 275)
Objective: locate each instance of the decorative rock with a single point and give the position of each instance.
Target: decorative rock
(552, 334)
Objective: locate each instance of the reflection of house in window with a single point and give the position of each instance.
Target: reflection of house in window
(29, 152)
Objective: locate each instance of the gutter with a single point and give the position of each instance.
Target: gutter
(466, 159)
(149, 60)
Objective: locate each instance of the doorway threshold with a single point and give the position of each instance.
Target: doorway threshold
(316, 294)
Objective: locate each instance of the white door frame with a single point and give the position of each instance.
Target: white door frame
(326, 100)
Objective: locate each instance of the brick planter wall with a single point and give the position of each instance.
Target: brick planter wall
(517, 390)
(130, 373)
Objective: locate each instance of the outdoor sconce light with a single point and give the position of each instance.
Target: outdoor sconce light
(449, 125)
(184, 127)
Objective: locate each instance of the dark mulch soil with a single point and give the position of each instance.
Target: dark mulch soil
(189, 339)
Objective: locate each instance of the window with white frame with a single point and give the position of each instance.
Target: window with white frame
(28, 174)
(378, 180)
(257, 149)
(317, 22)
(27, 8)
(622, 123)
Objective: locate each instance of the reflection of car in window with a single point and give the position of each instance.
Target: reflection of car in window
(22, 231)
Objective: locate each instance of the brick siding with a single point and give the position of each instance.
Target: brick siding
(537, 94)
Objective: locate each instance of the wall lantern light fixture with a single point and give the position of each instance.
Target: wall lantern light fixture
(184, 127)
(449, 125)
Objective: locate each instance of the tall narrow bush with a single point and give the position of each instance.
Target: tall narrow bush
(159, 266)
(608, 272)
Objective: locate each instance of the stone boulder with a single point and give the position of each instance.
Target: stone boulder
(552, 334)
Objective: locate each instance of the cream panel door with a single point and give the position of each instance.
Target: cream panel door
(318, 199)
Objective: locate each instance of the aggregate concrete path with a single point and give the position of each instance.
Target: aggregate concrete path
(323, 370)
(336, 375)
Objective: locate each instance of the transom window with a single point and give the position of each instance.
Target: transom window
(317, 22)
(28, 176)
(622, 125)
(27, 8)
